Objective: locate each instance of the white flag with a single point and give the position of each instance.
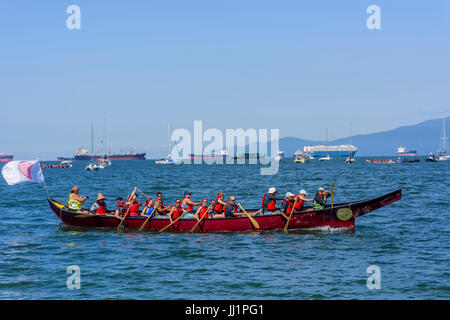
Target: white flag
(16, 172)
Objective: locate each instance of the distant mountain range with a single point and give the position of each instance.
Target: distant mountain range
(423, 137)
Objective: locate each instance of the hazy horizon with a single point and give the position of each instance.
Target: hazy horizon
(296, 67)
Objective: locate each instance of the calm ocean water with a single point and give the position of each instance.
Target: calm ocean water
(409, 240)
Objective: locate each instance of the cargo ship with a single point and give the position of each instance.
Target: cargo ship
(344, 150)
(213, 155)
(6, 157)
(65, 158)
(402, 152)
(83, 154)
(246, 155)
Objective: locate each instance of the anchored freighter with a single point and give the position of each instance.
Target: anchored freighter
(333, 151)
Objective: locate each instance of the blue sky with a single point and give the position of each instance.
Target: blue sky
(297, 66)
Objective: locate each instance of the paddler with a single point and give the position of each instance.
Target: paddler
(75, 201)
(161, 208)
(187, 204)
(99, 207)
(132, 201)
(288, 203)
(176, 211)
(320, 200)
(120, 207)
(202, 211)
(230, 209)
(219, 203)
(148, 207)
(301, 199)
(269, 200)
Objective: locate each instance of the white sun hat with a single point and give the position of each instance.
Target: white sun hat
(289, 194)
(272, 190)
(303, 192)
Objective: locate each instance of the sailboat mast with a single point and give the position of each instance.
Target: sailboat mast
(326, 141)
(92, 138)
(444, 138)
(168, 128)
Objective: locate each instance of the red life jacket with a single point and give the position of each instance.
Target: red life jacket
(134, 210)
(299, 205)
(218, 207)
(204, 212)
(101, 210)
(271, 205)
(189, 208)
(289, 206)
(177, 213)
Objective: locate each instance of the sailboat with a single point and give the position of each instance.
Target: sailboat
(326, 148)
(92, 165)
(442, 154)
(350, 159)
(168, 159)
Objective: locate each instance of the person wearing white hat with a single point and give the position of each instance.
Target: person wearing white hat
(300, 199)
(269, 200)
(287, 203)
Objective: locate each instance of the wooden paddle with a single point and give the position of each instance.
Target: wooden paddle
(143, 193)
(290, 216)
(332, 194)
(166, 227)
(155, 206)
(192, 230)
(254, 222)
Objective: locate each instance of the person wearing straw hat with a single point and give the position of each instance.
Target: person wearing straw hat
(99, 207)
(269, 200)
(301, 199)
(75, 201)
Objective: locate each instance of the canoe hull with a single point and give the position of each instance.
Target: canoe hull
(308, 219)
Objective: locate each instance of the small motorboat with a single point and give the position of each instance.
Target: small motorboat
(92, 166)
(327, 158)
(166, 160)
(431, 158)
(350, 160)
(301, 158)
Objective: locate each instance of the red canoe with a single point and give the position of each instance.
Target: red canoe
(337, 217)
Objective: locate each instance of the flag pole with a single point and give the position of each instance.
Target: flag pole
(45, 185)
(46, 190)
